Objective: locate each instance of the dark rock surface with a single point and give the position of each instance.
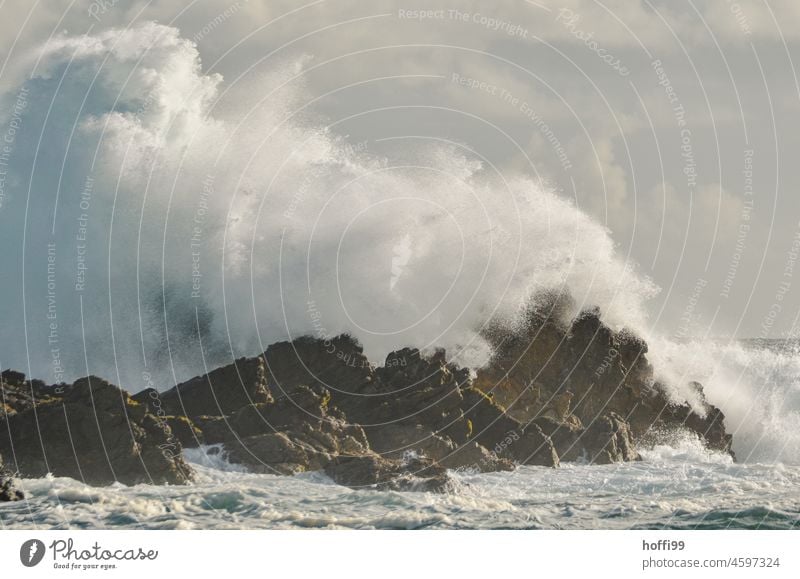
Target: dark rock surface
(558, 390)
(607, 439)
(371, 471)
(593, 370)
(219, 392)
(8, 490)
(95, 432)
(18, 394)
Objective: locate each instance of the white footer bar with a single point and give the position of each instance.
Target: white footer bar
(390, 554)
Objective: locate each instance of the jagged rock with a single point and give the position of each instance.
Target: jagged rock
(566, 437)
(253, 419)
(422, 390)
(220, 392)
(305, 406)
(493, 428)
(413, 401)
(423, 404)
(318, 404)
(304, 449)
(395, 440)
(607, 372)
(18, 394)
(184, 429)
(307, 410)
(94, 432)
(372, 471)
(289, 435)
(408, 386)
(473, 456)
(214, 429)
(710, 426)
(534, 448)
(8, 492)
(276, 454)
(606, 440)
(337, 364)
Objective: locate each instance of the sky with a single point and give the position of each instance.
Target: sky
(672, 125)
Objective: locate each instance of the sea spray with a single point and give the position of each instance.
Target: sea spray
(297, 215)
(142, 144)
(756, 384)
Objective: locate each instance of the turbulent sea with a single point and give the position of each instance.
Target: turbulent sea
(281, 203)
(677, 485)
(682, 487)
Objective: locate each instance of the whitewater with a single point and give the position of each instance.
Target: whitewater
(680, 486)
(172, 256)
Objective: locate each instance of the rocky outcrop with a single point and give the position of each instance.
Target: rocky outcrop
(413, 403)
(321, 402)
(300, 435)
(397, 441)
(337, 364)
(374, 472)
(509, 438)
(219, 392)
(581, 369)
(606, 440)
(18, 394)
(8, 490)
(708, 424)
(557, 390)
(95, 432)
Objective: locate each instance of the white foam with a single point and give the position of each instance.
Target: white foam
(292, 230)
(212, 456)
(284, 211)
(758, 389)
(670, 487)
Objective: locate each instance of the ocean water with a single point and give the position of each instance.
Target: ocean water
(414, 240)
(678, 485)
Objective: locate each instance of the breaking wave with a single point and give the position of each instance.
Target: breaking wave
(158, 222)
(169, 222)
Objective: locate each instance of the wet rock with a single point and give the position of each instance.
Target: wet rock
(556, 359)
(288, 435)
(276, 454)
(220, 392)
(609, 440)
(605, 440)
(337, 364)
(94, 432)
(18, 394)
(184, 429)
(496, 430)
(214, 429)
(396, 440)
(8, 491)
(374, 472)
(556, 389)
(475, 457)
(710, 426)
(304, 449)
